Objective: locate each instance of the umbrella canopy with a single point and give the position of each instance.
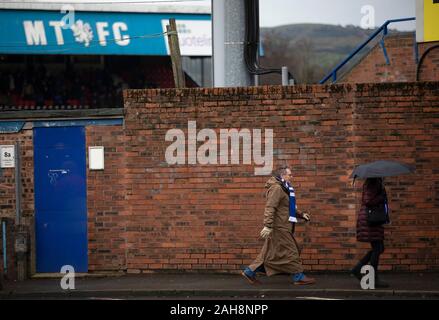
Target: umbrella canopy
(381, 168)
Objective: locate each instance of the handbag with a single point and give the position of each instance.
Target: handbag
(377, 215)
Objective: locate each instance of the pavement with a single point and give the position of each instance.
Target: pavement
(223, 286)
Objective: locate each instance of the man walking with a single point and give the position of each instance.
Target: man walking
(280, 253)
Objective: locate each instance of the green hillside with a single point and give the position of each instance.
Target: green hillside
(309, 50)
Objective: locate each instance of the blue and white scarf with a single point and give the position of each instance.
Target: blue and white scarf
(292, 196)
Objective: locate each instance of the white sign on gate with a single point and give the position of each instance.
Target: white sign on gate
(7, 156)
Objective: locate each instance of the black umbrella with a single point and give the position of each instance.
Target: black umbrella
(381, 168)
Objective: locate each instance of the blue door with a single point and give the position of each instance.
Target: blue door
(60, 198)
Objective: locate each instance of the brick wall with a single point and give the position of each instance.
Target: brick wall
(401, 122)
(429, 70)
(107, 201)
(196, 217)
(145, 215)
(208, 217)
(400, 48)
(7, 193)
(105, 194)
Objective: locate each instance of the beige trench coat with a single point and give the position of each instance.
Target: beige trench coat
(280, 253)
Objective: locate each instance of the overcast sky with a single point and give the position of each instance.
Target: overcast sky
(343, 12)
(338, 12)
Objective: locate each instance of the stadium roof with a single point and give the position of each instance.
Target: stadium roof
(144, 6)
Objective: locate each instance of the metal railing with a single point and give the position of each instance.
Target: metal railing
(383, 29)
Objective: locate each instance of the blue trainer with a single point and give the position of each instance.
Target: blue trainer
(250, 275)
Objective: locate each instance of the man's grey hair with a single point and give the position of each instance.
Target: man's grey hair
(281, 171)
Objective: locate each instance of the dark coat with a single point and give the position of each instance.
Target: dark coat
(372, 195)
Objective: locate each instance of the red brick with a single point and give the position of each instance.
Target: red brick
(151, 216)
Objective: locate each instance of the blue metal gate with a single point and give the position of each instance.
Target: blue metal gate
(60, 198)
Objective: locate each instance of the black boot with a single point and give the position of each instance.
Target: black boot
(379, 284)
(356, 272)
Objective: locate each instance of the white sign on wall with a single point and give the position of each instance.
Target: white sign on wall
(7, 156)
(194, 37)
(96, 158)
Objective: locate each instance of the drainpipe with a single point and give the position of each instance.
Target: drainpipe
(17, 184)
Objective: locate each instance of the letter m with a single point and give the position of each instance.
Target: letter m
(235, 136)
(35, 34)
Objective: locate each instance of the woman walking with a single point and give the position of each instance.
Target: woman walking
(374, 195)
